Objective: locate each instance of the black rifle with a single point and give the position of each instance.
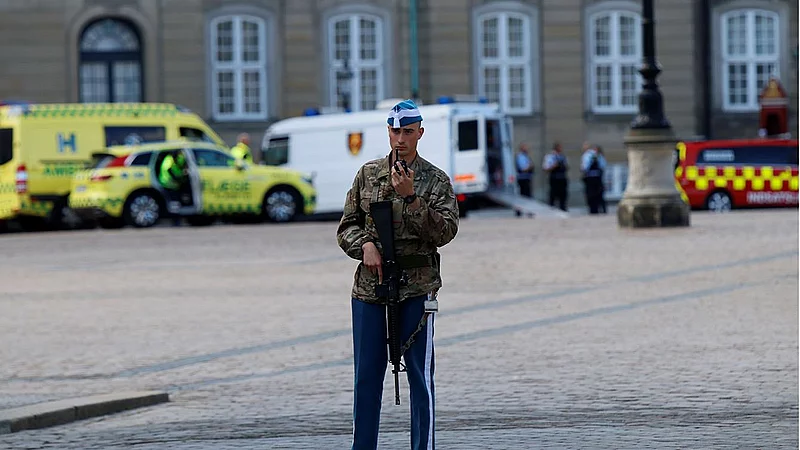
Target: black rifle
(389, 289)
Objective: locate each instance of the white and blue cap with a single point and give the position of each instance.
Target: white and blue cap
(404, 113)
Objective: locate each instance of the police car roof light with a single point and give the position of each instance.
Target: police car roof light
(311, 112)
(445, 99)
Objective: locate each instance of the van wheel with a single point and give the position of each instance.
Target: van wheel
(719, 201)
(142, 210)
(281, 205)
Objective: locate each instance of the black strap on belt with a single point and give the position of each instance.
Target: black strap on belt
(416, 261)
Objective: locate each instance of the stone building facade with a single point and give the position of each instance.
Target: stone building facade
(565, 69)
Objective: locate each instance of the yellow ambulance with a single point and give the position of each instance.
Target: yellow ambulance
(42, 146)
(135, 185)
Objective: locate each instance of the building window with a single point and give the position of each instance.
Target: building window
(356, 76)
(750, 49)
(110, 67)
(505, 62)
(615, 57)
(238, 68)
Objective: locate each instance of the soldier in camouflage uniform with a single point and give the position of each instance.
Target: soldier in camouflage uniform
(425, 218)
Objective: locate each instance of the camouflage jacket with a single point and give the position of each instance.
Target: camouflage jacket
(416, 232)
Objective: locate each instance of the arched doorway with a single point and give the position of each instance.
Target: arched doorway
(110, 62)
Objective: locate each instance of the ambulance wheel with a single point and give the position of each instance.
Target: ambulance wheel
(719, 201)
(281, 205)
(142, 210)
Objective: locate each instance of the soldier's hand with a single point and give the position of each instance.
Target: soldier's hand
(372, 260)
(403, 184)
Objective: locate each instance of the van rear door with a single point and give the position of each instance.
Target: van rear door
(500, 154)
(9, 199)
(470, 171)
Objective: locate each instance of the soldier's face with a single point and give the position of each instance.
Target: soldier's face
(404, 140)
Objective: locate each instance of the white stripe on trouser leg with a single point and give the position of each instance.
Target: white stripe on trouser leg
(428, 358)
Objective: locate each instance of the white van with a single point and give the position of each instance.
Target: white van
(471, 142)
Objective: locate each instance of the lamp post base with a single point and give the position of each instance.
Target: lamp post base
(651, 198)
(653, 213)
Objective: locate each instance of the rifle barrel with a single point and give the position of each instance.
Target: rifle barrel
(390, 288)
(396, 388)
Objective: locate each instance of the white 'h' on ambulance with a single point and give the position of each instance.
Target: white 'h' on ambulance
(471, 141)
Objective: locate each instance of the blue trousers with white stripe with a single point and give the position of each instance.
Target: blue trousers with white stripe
(371, 362)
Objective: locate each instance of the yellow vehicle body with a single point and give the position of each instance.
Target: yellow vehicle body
(42, 146)
(125, 189)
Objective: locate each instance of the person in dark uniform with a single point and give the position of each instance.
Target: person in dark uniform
(592, 165)
(602, 158)
(524, 171)
(555, 164)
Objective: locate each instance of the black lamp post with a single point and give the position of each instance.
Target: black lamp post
(344, 84)
(651, 198)
(651, 103)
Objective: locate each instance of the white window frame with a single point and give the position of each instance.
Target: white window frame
(615, 60)
(505, 62)
(355, 64)
(239, 67)
(751, 59)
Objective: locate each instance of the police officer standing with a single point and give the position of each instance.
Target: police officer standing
(592, 166)
(524, 171)
(425, 214)
(555, 164)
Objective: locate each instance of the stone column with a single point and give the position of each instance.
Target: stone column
(650, 198)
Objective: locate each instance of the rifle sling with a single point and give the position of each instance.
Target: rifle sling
(414, 334)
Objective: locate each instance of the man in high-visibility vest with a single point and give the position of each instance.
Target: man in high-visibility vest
(242, 149)
(173, 173)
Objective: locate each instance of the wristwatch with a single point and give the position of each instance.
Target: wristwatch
(409, 199)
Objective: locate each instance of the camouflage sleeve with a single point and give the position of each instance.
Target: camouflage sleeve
(435, 221)
(351, 234)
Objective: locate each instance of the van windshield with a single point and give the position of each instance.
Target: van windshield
(6, 145)
(277, 151)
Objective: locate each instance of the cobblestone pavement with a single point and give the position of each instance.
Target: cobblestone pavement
(552, 334)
